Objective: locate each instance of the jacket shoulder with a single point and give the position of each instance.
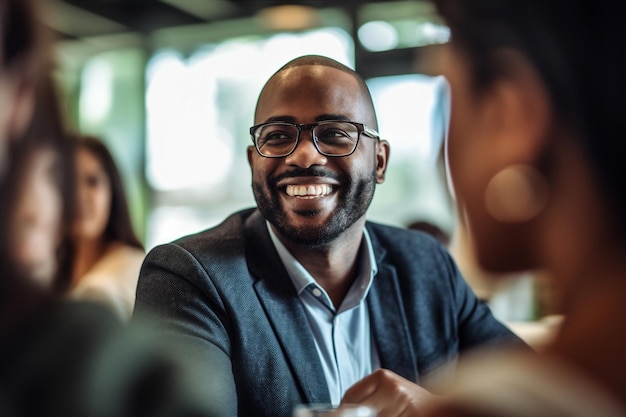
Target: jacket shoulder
(224, 237)
(419, 258)
(403, 239)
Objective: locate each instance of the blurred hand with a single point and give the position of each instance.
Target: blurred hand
(390, 394)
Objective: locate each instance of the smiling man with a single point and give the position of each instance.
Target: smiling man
(302, 300)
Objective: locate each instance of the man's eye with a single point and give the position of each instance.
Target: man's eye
(334, 133)
(278, 136)
(277, 139)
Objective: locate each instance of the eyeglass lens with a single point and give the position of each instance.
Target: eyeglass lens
(331, 138)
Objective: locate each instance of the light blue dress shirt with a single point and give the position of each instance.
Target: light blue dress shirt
(342, 336)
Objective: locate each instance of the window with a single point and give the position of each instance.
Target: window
(198, 114)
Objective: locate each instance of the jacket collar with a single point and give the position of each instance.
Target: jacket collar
(286, 314)
(282, 305)
(389, 316)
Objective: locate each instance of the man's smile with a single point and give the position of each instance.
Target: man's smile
(308, 190)
(308, 187)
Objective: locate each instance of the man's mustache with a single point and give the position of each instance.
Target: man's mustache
(308, 172)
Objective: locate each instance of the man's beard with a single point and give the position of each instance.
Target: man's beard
(352, 204)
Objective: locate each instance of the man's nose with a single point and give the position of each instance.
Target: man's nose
(306, 154)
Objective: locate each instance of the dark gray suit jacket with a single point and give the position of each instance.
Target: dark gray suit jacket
(225, 294)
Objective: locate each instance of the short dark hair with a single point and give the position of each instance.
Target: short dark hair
(307, 60)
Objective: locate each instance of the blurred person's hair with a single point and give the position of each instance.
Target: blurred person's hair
(25, 55)
(24, 47)
(119, 226)
(581, 65)
(432, 229)
(45, 131)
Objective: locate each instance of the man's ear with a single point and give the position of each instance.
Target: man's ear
(382, 159)
(251, 151)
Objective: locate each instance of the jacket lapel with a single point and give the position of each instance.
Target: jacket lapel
(284, 310)
(389, 320)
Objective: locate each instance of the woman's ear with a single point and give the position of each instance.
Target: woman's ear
(520, 111)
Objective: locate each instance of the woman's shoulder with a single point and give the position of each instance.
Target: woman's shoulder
(118, 263)
(119, 257)
(113, 279)
(124, 251)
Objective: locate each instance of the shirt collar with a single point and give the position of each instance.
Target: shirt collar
(302, 279)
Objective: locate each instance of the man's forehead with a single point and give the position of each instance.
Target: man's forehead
(303, 74)
(313, 82)
(308, 108)
(310, 90)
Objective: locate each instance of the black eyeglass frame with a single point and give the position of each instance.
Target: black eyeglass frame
(360, 127)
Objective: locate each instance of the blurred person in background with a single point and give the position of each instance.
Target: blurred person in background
(34, 254)
(536, 152)
(432, 229)
(23, 55)
(107, 253)
(61, 358)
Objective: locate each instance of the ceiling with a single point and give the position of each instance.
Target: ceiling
(88, 26)
(75, 19)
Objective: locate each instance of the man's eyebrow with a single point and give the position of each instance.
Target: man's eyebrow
(321, 117)
(280, 119)
(332, 117)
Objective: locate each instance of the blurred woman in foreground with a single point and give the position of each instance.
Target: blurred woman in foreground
(24, 56)
(536, 153)
(36, 194)
(108, 254)
(59, 357)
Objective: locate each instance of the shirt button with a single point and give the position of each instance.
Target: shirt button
(316, 292)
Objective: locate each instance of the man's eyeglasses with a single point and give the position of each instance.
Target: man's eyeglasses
(330, 137)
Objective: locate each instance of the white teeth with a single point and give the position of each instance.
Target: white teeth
(313, 190)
